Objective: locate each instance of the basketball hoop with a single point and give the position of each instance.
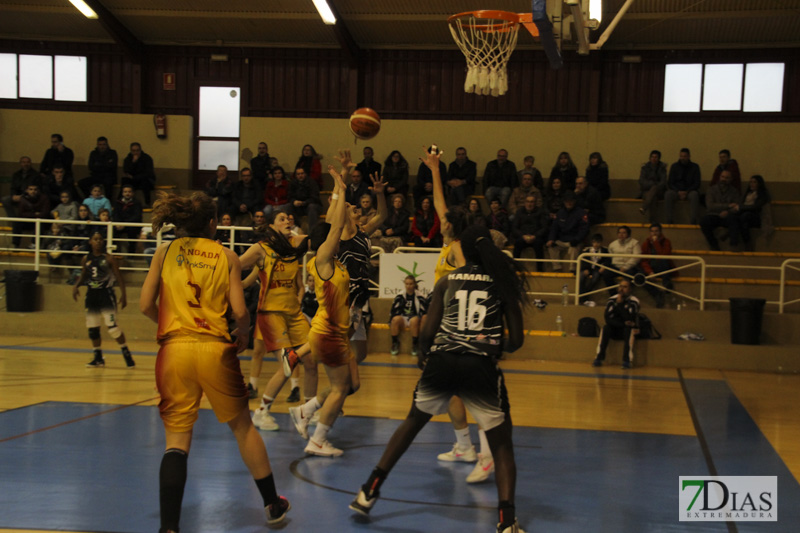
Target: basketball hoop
(487, 39)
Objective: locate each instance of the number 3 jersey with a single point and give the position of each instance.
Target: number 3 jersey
(472, 319)
(195, 282)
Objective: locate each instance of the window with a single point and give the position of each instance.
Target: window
(723, 87)
(60, 78)
(218, 127)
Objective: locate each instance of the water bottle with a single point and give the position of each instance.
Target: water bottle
(559, 324)
(564, 295)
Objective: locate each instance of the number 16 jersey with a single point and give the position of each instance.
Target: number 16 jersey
(195, 281)
(472, 319)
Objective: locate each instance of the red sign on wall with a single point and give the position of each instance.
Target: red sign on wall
(169, 81)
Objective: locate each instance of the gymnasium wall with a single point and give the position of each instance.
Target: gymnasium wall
(760, 148)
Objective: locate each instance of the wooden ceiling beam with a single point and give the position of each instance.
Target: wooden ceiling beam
(118, 31)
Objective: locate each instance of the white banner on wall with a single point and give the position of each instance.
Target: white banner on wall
(395, 268)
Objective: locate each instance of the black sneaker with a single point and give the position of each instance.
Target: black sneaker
(126, 354)
(252, 392)
(362, 505)
(597, 362)
(276, 512)
(294, 396)
(96, 363)
(626, 365)
(395, 348)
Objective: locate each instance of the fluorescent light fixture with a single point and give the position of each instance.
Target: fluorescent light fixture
(324, 11)
(596, 10)
(81, 6)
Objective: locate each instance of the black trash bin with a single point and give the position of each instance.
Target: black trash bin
(21, 291)
(747, 315)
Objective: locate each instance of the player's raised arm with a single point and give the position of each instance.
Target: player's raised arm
(432, 158)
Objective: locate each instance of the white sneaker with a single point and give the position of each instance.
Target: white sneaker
(362, 505)
(314, 418)
(457, 454)
(483, 469)
(511, 529)
(300, 421)
(263, 420)
(324, 449)
(590, 303)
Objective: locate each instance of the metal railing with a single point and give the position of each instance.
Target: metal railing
(786, 266)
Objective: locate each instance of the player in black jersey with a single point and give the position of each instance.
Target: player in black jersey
(461, 343)
(99, 271)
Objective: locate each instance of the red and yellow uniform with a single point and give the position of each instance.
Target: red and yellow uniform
(442, 265)
(281, 323)
(330, 326)
(196, 355)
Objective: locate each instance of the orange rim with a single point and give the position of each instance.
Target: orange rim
(504, 16)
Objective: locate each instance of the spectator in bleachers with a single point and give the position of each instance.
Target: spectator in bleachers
(138, 170)
(475, 214)
(19, 184)
(57, 154)
(567, 232)
(652, 182)
(260, 165)
(589, 199)
(104, 215)
(624, 244)
(395, 229)
(747, 213)
(407, 311)
(566, 170)
(499, 178)
(220, 189)
(526, 188)
(276, 193)
(538, 180)
(591, 273)
(368, 166)
(223, 236)
(83, 229)
(65, 210)
(497, 219)
(732, 166)
(310, 162)
(426, 226)
(55, 244)
(246, 197)
(657, 244)
(127, 209)
(366, 208)
(424, 185)
(461, 177)
(32, 204)
(395, 174)
(357, 187)
(597, 175)
(103, 163)
(304, 198)
(57, 183)
(554, 197)
(622, 323)
(97, 201)
(721, 199)
(529, 229)
(683, 184)
(294, 229)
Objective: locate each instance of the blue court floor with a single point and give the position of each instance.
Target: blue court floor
(94, 468)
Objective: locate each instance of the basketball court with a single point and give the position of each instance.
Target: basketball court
(596, 449)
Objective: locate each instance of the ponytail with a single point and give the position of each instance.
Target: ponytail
(189, 214)
(479, 249)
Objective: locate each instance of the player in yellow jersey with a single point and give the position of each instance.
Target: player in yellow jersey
(281, 324)
(192, 283)
(330, 328)
(450, 258)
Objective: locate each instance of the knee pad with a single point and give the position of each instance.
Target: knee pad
(94, 333)
(115, 332)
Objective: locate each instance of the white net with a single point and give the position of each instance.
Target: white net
(487, 43)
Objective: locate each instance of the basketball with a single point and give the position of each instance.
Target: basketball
(365, 123)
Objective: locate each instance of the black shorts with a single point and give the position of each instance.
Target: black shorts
(476, 379)
(101, 299)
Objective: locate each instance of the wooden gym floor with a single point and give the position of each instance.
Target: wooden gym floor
(597, 449)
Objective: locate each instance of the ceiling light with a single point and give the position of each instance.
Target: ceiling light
(324, 11)
(596, 10)
(81, 6)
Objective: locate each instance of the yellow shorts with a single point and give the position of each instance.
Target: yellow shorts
(281, 330)
(331, 349)
(185, 369)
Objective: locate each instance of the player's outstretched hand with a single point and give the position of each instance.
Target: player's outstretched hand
(345, 160)
(337, 178)
(432, 157)
(378, 186)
